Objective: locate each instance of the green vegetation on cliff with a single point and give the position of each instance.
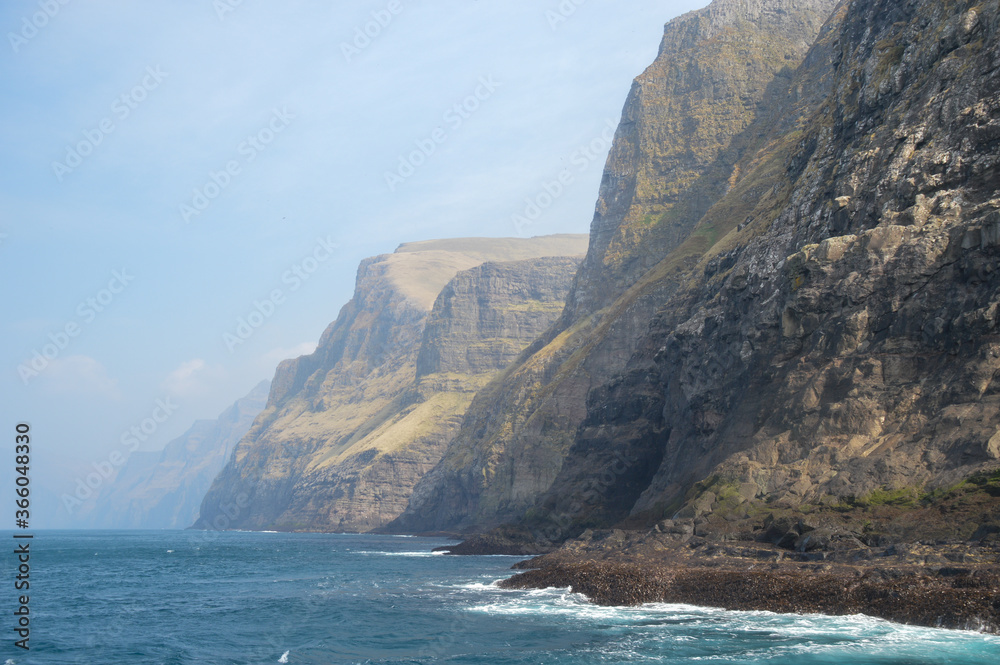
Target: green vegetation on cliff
(350, 429)
(787, 308)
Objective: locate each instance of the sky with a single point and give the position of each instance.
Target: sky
(188, 186)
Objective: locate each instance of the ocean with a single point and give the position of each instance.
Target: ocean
(184, 597)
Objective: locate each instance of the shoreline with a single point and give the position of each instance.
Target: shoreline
(905, 597)
(939, 585)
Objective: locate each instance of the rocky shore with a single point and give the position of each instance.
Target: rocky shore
(946, 585)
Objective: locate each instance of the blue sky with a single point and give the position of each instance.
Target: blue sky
(167, 166)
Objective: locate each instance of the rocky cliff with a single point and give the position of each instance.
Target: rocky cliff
(806, 324)
(690, 118)
(350, 429)
(163, 490)
(844, 341)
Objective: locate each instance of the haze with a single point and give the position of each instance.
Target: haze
(189, 186)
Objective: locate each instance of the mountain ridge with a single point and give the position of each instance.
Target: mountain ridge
(657, 168)
(348, 429)
(827, 339)
(163, 489)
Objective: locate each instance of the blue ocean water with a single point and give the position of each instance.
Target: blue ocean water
(191, 597)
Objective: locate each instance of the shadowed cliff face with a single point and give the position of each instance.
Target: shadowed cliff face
(689, 121)
(350, 429)
(163, 490)
(841, 338)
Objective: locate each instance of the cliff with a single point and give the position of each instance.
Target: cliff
(349, 430)
(812, 348)
(163, 490)
(838, 345)
(689, 119)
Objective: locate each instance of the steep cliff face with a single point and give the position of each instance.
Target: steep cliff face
(839, 339)
(688, 123)
(681, 133)
(163, 490)
(350, 429)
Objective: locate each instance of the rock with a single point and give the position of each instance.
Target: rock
(826, 539)
(164, 490)
(963, 599)
(682, 527)
(508, 543)
(987, 533)
(724, 65)
(349, 430)
(703, 504)
(872, 362)
(664, 526)
(783, 532)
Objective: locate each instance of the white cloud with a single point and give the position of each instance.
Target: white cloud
(193, 377)
(271, 359)
(79, 375)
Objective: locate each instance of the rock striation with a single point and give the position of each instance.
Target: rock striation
(797, 311)
(840, 339)
(690, 118)
(350, 429)
(785, 323)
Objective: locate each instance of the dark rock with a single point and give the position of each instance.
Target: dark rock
(827, 539)
(518, 449)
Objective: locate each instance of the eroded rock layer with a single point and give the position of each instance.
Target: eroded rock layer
(690, 124)
(350, 429)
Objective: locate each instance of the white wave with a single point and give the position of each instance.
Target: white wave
(845, 636)
(784, 636)
(413, 554)
(284, 657)
(550, 602)
(480, 586)
(806, 626)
